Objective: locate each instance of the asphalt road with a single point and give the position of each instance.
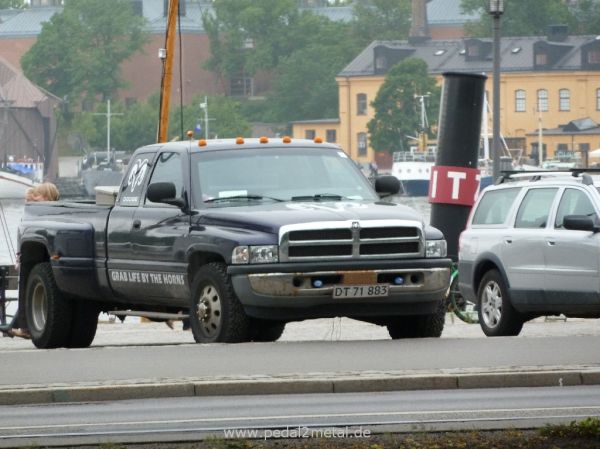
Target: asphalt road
(351, 414)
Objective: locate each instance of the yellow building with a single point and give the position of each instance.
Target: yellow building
(546, 82)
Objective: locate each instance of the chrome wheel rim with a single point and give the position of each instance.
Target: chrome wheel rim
(39, 307)
(491, 304)
(208, 311)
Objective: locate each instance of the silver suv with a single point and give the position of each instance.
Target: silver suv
(531, 248)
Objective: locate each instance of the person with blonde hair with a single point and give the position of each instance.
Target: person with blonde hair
(43, 192)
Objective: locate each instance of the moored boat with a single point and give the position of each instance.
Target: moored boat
(13, 185)
(413, 170)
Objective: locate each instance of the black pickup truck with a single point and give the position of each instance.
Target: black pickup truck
(241, 235)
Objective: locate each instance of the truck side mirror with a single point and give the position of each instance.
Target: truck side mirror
(387, 185)
(164, 192)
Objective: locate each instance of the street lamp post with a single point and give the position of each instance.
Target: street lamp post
(496, 11)
(205, 107)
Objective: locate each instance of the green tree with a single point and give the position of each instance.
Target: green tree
(16, 4)
(248, 35)
(136, 127)
(138, 124)
(587, 16)
(397, 106)
(79, 51)
(520, 18)
(305, 85)
(381, 20)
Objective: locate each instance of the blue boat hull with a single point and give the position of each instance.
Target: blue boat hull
(415, 187)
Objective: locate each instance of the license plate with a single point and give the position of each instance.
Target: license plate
(360, 291)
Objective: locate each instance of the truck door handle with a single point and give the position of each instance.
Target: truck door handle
(508, 241)
(137, 224)
(551, 243)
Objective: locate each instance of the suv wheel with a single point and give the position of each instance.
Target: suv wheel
(497, 316)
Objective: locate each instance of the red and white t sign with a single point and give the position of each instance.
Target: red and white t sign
(454, 185)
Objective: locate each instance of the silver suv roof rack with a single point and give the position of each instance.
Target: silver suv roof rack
(536, 175)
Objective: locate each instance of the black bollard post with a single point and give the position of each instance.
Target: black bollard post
(454, 182)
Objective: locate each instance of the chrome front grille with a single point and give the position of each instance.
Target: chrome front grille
(348, 240)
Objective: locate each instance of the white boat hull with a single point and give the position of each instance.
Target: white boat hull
(413, 176)
(13, 186)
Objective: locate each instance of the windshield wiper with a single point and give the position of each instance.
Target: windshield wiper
(319, 197)
(242, 197)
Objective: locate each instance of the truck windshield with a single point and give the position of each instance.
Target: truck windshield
(237, 176)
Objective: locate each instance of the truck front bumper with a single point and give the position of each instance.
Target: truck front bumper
(301, 290)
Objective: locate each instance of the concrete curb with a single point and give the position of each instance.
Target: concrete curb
(372, 382)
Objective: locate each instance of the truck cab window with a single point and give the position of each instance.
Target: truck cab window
(168, 168)
(133, 183)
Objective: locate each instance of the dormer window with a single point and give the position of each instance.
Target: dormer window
(380, 63)
(541, 59)
(590, 55)
(473, 51)
(477, 50)
(593, 56)
(548, 54)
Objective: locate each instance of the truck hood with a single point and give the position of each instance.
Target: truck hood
(269, 217)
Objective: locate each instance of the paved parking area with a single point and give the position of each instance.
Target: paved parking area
(136, 333)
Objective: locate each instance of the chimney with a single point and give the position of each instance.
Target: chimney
(419, 29)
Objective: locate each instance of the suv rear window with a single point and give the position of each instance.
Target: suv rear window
(495, 206)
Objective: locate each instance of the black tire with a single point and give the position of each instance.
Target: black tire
(497, 316)
(84, 324)
(265, 330)
(419, 326)
(48, 313)
(216, 314)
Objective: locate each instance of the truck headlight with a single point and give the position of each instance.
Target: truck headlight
(255, 254)
(436, 248)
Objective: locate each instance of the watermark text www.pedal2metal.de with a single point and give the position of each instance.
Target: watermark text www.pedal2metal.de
(298, 432)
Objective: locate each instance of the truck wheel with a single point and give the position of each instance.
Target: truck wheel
(497, 316)
(419, 326)
(84, 324)
(48, 312)
(216, 314)
(266, 330)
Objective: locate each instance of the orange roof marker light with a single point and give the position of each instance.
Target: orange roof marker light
(264, 139)
(190, 134)
(239, 140)
(202, 143)
(318, 140)
(287, 139)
